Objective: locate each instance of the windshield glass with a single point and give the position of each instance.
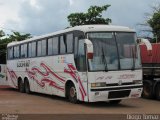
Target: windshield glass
(113, 51)
(127, 50)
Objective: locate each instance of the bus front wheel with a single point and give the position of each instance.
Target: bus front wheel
(158, 91)
(72, 94)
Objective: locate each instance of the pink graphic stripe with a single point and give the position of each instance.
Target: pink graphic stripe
(13, 76)
(82, 95)
(72, 72)
(32, 74)
(50, 71)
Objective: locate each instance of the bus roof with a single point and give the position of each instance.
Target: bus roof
(83, 28)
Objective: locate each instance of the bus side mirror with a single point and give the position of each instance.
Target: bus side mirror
(89, 47)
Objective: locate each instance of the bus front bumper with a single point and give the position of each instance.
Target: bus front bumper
(115, 93)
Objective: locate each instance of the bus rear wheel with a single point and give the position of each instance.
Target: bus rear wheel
(147, 89)
(158, 91)
(21, 86)
(27, 87)
(72, 94)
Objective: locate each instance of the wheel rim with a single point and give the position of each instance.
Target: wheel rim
(72, 92)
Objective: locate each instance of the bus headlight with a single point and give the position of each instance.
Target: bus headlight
(100, 84)
(137, 81)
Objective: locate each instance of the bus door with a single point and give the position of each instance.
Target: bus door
(82, 70)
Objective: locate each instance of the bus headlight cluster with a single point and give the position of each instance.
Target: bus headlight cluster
(99, 84)
(137, 81)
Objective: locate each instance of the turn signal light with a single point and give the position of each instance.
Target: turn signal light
(100, 84)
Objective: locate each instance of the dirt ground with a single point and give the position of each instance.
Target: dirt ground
(11, 101)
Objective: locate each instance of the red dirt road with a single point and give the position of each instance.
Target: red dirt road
(11, 101)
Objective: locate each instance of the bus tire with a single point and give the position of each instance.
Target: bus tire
(157, 91)
(147, 89)
(72, 94)
(27, 87)
(115, 102)
(21, 86)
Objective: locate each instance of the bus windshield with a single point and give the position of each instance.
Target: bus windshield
(114, 51)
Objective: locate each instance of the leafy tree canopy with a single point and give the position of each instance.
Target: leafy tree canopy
(93, 16)
(154, 23)
(2, 33)
(16, 36)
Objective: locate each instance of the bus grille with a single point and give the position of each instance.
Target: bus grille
(119, 94)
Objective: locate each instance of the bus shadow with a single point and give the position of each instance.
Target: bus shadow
(6, 88)
(87, 104)
(54, 97)
(106, 105)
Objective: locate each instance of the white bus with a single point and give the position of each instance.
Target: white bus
(85, 63)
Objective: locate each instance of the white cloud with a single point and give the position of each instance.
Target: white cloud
(34, 3)
(71, 2)
(8, 10)
(50, 17)
(43, 16)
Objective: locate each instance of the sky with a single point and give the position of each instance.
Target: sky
(39, 17)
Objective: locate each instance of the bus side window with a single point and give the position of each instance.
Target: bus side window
(10, 53)
(30, 50)
(16, 52)
(22, 51)
(50, 46)
(55, 45)
(81, 59)
(39, 48)
(44, 47)
(69, 42)
(25, 50)
(75, 47)
(62, 45)
(33, 49)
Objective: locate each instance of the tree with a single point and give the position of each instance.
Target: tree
(93, 16)
(2, 33)
(154, 22)
(16, 36)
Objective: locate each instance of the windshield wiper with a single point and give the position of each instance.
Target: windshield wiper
(133, 57)
(104, 59)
